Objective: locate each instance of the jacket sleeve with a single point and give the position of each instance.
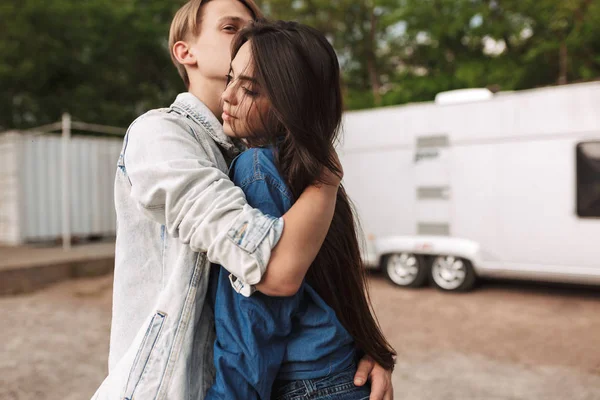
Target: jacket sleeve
(175, 184)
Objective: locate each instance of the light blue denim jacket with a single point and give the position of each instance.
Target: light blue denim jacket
(177, 211)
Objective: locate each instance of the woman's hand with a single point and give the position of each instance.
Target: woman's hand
(381, 379)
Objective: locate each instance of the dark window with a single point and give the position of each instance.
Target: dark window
(588, 179)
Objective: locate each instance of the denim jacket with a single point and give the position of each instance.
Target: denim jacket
(177, 211)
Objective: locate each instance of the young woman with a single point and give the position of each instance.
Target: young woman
(284, 101)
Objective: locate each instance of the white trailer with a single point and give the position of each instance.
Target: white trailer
(504, 186)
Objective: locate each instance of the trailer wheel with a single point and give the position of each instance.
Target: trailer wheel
(405, 269)
(452, 274)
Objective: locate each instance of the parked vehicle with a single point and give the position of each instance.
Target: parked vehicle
(507, 185)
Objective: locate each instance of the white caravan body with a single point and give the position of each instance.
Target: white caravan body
(510, 183)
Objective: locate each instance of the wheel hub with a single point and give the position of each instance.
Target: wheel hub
(449, 272)
(403, 268)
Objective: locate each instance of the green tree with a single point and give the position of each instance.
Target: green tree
(358, 30)
(511, 44)
(104, 61)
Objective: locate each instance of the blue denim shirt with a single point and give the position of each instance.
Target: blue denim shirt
(261, 338)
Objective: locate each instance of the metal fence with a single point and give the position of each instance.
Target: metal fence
(58, 186)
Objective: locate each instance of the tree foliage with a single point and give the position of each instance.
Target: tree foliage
(106, 61)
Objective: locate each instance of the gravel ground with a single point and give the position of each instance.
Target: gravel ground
(503, 341)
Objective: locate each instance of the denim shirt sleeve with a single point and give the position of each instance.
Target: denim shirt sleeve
(254, 171)
(262, 194)
(176, 184)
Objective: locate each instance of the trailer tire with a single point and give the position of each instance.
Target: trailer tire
(452, 274)
(405, 269)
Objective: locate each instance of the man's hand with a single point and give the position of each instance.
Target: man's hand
(381, 379)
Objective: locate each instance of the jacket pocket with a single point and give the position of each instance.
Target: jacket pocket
(143, 354)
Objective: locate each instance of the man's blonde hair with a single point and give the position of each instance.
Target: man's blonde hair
(186, 24)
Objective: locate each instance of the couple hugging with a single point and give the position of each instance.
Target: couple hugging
(237, 269)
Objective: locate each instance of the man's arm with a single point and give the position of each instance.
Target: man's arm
(176, 184)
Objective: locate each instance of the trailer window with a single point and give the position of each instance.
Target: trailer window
(588, 179)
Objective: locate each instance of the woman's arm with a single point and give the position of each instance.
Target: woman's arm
(306, 225)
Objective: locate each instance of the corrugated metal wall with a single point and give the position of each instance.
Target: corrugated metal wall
(35, 161)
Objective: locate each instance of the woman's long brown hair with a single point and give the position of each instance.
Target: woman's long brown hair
(298, 71)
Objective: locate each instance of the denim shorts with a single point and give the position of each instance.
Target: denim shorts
(338, 386)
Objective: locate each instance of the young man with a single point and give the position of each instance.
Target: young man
(178, 211)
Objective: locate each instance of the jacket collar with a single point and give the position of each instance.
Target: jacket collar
(201, 114)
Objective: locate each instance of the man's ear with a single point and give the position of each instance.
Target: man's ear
(183, 53)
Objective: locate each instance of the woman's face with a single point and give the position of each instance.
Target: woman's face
(244, 105)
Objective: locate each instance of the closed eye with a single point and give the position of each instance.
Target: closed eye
(230, 28)
(250, 93)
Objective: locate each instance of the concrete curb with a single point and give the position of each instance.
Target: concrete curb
(24, 270)
(29, 279)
